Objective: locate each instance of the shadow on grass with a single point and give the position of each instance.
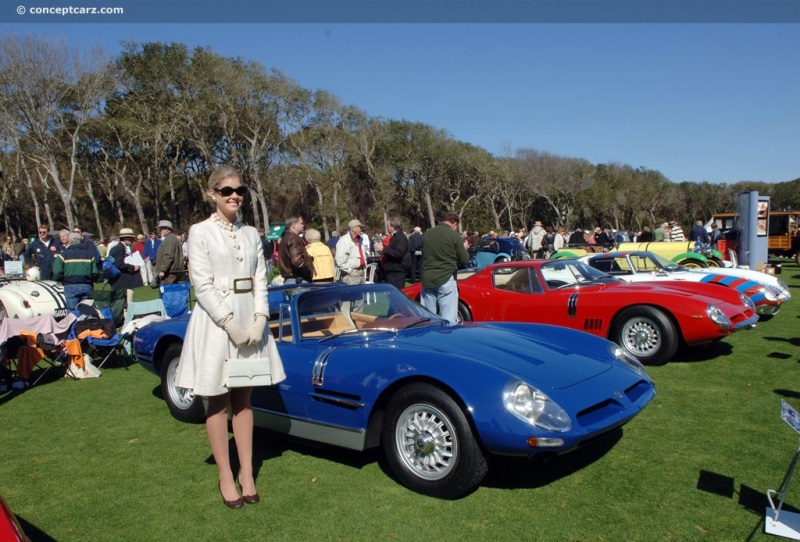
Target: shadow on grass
(751, 499)
(521, 473)
(794, 341)
(703, 352)
(788, 393)
(779, 355)
(34, 533)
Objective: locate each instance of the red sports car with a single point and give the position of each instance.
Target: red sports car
(648, 320)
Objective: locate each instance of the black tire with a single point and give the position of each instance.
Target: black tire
(713, 262)
(647, 333)
(183, 405)
(429, 443)
(463, 314)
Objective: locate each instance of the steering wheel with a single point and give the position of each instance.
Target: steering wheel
(555, 284)
(395, 315)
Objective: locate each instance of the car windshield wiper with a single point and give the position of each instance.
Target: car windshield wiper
(420, 320)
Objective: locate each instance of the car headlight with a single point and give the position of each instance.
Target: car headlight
(783, 288)
(718, 317)
(627, 358)
(532, 406)
(748, 302)
(769, 294)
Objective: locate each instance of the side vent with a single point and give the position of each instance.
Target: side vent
(592, 324)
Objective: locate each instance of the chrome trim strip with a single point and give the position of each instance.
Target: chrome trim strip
(353, 439)
(318, 372)
(337, 400)
(572, 306)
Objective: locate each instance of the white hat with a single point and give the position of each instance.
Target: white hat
(355, 222)
(165, 224)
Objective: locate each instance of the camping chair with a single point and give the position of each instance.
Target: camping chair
(104, 296)
(140, 313)
(176, 298)
(101, 346)
(45, 348)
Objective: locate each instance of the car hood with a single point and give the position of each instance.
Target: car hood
(543, 355)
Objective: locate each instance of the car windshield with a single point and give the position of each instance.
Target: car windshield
(329, 312)
(564, 274)
(661, 261)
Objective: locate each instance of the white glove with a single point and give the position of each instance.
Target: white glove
(256, 331)
(239, 336)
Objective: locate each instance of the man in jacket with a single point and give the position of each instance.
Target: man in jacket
(444, 252)
(294, 262)
(415, 250)
(351, 256)
(76, 267)
(42, 252)
(169, 258)
(534, 243)
(395, 258)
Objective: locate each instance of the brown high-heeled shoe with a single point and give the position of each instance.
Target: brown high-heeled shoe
(249, 499)
(235, 504)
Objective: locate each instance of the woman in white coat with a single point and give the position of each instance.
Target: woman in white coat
(228, 273)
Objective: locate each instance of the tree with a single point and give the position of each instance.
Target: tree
(49, 93)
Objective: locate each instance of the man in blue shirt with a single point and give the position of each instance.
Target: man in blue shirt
(42, 252)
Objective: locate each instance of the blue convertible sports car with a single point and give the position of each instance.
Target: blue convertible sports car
(368, 367)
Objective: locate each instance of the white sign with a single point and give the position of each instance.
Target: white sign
(790, 415)
(12, 267)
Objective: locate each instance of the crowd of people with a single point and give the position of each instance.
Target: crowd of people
(76, 260)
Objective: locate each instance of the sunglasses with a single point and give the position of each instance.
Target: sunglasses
(226, 191)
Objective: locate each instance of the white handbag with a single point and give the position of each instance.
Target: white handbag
(245, 373)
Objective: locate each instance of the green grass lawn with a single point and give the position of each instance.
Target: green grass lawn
(102, 459)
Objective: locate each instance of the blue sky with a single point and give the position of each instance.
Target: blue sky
(698, 102)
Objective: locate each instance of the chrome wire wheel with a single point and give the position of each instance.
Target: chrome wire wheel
(180, 397)
(426, 442)
(641, 336)
(183, 404)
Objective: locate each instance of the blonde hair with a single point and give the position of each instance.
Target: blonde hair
(312, 235)
(223, 172)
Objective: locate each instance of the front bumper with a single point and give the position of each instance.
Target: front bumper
(750, 323)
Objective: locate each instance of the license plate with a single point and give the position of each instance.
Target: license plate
(60, 313)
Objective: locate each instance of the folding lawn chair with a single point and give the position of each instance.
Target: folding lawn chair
(43, 348)
(140, 313)
(176, 298)
(100, 345)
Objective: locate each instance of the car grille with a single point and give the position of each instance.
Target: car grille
(612, 407)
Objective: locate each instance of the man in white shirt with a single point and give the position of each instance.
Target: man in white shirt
(351, 256)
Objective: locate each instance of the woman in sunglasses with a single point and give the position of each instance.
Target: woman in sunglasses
(229, 276)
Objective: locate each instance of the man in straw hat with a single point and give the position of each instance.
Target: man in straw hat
(129, 277)
(169, 258)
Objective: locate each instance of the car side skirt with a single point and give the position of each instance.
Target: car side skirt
(353, 439)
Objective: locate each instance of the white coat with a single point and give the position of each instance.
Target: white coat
(219, 257)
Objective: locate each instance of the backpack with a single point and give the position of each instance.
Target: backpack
(110, 270)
